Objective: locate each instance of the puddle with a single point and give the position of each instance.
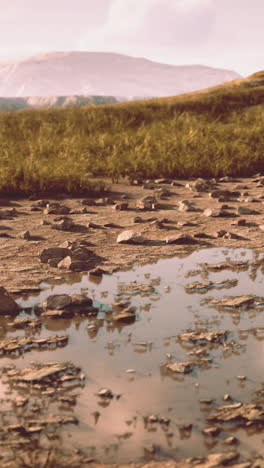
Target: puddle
(130, 359)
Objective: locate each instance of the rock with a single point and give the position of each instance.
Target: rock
(56, 209)
(7, 305)
(196, 286)
(239, 412)
(69, 264)
(216, 213)
(25, 235)
(230, 440)
(203, 337)
(98, 272)
(57, 301)
(43, 222)
(120, 206)
(105, 393)
(104, 201)
(130, 237)
(138, 219)
(53, 252)
(162, 193)
(186, 206)
(162, 181)
(147, 203)
(93, 225)
(182, 239)
(243, 210)
(127, 316)
(65, 224)
(180, 367)
(224, 193)
(199, 185)
(237, 265)
(239, 222)
(236, 301)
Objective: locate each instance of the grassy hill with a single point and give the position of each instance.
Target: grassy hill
(211, 133)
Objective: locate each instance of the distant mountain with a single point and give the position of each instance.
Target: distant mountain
(92, 74)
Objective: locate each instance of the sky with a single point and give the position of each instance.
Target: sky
(220, 33)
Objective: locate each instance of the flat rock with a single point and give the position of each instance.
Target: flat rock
(53, 252)
(182, 239)
(180, 367)
(130, 237)
(7, 305)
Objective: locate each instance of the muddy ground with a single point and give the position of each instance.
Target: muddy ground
(233, 217)
(20, 264)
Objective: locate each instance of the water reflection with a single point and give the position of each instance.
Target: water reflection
(130, 359)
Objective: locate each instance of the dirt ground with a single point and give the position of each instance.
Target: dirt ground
(21, 270)
(20, 265)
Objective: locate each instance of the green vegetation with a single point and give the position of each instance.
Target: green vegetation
(209, 134)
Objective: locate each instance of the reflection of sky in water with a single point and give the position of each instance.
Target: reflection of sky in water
(106, 357)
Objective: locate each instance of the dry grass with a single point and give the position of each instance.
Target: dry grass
(210, 134)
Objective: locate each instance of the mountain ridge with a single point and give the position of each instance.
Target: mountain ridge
(103, 74)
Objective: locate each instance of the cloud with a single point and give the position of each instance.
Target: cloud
(133, 24)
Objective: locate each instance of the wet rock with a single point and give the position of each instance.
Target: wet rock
(65, 301)
(230, 440)
(7, 305)
(196, 286)
(126, 316)
(105, 393)
(211, 431)
(23, 322)
(98, 272)
(182, 239)
(14, 345)
(236, 301)
(180, 367)
(214, 460)
(53, 252)
(236, 265)
(130, 237)
(203, 337)
(240, 412)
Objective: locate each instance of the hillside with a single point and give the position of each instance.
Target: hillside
(53, 102)
(212, 133)
(103, 74)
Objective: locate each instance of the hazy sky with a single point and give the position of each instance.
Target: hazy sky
(221, 33)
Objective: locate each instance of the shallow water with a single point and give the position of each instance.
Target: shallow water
(119, 433)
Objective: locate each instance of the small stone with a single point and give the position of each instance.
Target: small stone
(25, 235)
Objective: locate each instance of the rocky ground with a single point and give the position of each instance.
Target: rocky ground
(50, 239)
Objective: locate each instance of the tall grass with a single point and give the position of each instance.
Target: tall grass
(204, 134)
